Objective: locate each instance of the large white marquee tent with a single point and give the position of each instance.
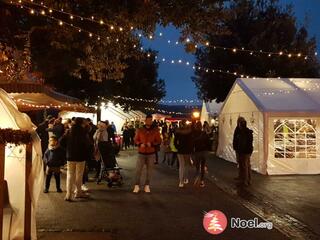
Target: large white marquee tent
(15, 170)
(285, 117)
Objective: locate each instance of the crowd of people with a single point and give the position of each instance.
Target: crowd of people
(82, 146)
(184, 144)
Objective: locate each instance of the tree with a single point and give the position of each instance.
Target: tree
(140, 81)
(69, 58)
(255, 25)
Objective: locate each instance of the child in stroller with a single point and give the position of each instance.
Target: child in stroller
(110, 171)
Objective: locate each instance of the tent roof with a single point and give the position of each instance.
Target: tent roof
(34, 96)
(212, 107)
(283, 94)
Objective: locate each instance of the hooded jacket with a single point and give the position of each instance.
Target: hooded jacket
(243, 141)
(183, 140)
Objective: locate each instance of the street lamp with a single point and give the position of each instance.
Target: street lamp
(196, 114)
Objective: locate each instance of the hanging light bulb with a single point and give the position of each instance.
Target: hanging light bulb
(43, 12)
(32, 11)
(60, 23)
(71, 17)
(120, 29)
(101, 22)
(234, 50)
(111, 27)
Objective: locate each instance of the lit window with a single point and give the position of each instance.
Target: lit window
(295, 138)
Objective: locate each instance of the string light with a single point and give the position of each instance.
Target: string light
(242, 49)
(207, 43)
(172, 61)
(156, 101)
(207, 70)
(91, 19)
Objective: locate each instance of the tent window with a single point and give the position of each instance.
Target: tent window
(295, 138)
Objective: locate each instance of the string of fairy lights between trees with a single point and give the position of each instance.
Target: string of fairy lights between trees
(73, 17)
(48, 12)
(164, 60)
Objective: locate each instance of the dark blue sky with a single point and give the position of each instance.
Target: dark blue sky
(178, 76)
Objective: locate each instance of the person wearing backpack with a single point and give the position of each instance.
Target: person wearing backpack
(243, 145)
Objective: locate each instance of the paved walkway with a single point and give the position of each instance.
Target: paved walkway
(167, 213)
(293, 200)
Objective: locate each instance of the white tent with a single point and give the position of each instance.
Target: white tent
(68, 115)
(15, 167)
(285, 117)
(209, 111)
(114, 113)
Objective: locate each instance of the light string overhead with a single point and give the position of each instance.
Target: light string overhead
(102, 22)
(251, 52)
(156, 101)
(73, 16)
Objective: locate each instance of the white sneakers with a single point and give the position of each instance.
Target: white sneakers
(147, 188)
(84, 188)
(181, 184)
(137, 189)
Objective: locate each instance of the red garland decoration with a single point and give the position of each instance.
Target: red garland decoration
(17, 137)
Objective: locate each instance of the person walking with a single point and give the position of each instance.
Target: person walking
(101, 139)
(55, 158)
(126, 137)
(201, 148)
(77, 144)
(147, 138)
(132, 132)
(184, 144)
(243, 142)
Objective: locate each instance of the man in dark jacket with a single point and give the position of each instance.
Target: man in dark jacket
(77, 147)
(243, 145)
(184, 144)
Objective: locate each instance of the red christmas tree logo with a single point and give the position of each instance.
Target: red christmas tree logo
(215, 222)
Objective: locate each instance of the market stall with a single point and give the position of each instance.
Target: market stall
(284, 115)
(21, 168)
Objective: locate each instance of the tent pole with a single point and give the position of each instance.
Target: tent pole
(27, 214)
(265, 142)
(2, 162)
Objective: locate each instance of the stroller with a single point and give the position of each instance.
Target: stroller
(110, 171)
